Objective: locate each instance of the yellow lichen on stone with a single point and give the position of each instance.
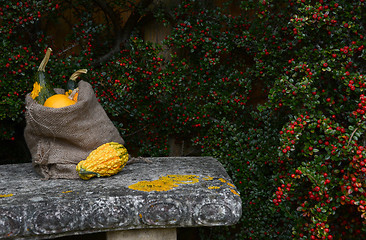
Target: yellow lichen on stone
(6, 195)
(169, 182)
(235, 192)
(183, 179)
(164, 183)
(231, 185)
(156, 185)
(208, 178)
(222, 180)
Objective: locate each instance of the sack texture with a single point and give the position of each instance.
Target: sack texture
(59, 138)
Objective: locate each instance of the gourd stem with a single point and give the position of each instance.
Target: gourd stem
(42, 66)
(76, 74)
(84, 172)
(72, 94)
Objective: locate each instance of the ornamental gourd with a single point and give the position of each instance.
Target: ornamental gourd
(71, 84)
(70, 97)
(42, 88)
(107, 160)
(58, 101)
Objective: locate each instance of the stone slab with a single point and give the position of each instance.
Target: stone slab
(32, 208)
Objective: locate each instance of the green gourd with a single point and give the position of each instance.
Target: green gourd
(42, 88)
(71, 85)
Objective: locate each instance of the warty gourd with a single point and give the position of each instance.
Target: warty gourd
(107, 160)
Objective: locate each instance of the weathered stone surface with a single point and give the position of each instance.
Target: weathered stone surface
(32, 208)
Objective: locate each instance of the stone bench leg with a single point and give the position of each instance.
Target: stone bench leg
(144, 234)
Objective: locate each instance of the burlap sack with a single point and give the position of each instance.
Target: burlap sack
(58, 138)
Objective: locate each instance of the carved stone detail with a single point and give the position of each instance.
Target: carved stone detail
(213, 214)
(9, 223)
(104, 213)
(167, 212)
(55, 218)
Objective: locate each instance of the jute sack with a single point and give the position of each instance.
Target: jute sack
(58, 138)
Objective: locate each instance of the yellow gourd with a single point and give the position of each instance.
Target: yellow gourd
(107, 160)
(58, 101)
(70, 97)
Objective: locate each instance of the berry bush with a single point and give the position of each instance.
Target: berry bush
(273, 89)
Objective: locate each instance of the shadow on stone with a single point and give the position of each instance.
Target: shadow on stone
(93, 236)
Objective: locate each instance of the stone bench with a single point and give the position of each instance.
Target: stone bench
(144, 201)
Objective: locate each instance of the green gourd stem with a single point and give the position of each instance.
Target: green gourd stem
(84, 172)
(42, 66)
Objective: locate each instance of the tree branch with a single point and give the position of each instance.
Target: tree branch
(121, 35)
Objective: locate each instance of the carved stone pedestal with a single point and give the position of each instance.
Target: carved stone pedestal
(154, 195)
